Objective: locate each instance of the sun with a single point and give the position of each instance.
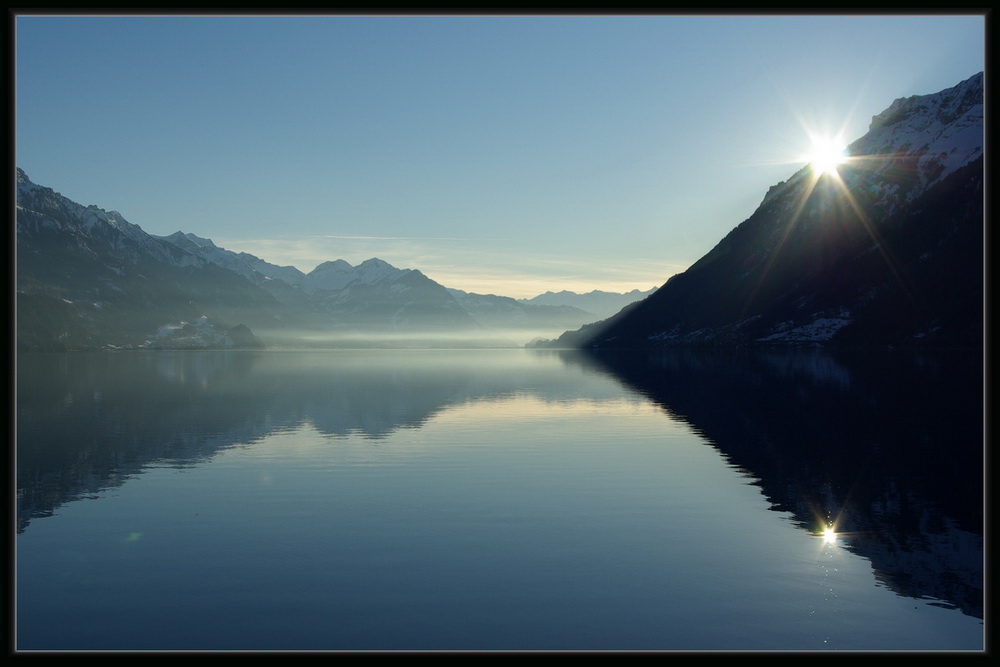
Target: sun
(825, 155)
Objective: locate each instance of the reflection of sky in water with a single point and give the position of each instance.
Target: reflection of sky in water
(532, 505)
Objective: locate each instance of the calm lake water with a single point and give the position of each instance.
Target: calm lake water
(498, 500)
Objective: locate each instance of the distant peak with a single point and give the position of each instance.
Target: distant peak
(25, 184)
(375, 261)
(197, 240)
(942, 107)
(337, 265)
(377, 267)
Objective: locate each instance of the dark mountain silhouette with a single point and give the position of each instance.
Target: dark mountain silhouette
(888, 252)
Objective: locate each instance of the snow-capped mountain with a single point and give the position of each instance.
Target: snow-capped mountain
(88, 278)
(332, 275)
(340, 289)
(929, 136)
(386, 300)
(889, 252)
(503, 312)
(338, 274)
(250, 267)
(602, 304)
(44, 212)
(373, 298)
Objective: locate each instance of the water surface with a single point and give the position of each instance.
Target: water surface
(497, 500)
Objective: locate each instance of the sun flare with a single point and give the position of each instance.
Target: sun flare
(826, 154)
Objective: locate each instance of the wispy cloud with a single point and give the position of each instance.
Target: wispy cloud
(394, 238)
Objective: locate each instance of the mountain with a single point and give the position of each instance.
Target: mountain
(252, 268)
(356, 294)
(332, 275)
(887, 253)
(389, 300)
(88, 278)
(602, 304)
(506, 313)
(373, 300)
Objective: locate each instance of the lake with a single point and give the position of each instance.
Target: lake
(499, 500)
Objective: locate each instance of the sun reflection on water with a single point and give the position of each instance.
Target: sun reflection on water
(826, 530)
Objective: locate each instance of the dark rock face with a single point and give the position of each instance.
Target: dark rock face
(240, 336)
(888, 253)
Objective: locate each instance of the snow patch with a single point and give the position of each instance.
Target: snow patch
(819, 330)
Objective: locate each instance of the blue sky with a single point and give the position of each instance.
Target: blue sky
(508, 155)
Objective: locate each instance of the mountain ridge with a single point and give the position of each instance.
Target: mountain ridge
(602, 303)
(89, 279)
(889, 252)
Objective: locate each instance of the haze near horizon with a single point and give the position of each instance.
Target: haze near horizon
(507, 155)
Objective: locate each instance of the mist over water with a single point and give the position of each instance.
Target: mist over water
(485, 338)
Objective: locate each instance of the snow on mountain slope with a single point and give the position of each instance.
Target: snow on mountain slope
(925, 138)
(943, 131)
(339, 274)
(249, 266)
(88, 279)
(42, 210)
(333, 275)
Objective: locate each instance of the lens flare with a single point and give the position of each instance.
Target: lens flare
(826, 154)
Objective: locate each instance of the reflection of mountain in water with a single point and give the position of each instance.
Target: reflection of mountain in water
(87, 422)
(890, 443)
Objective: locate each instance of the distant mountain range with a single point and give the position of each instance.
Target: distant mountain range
(89, 279)
(888, 253)
(603, 304)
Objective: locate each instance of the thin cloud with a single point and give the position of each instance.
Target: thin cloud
(397, 238)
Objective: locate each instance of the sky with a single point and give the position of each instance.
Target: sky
(507, 155)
